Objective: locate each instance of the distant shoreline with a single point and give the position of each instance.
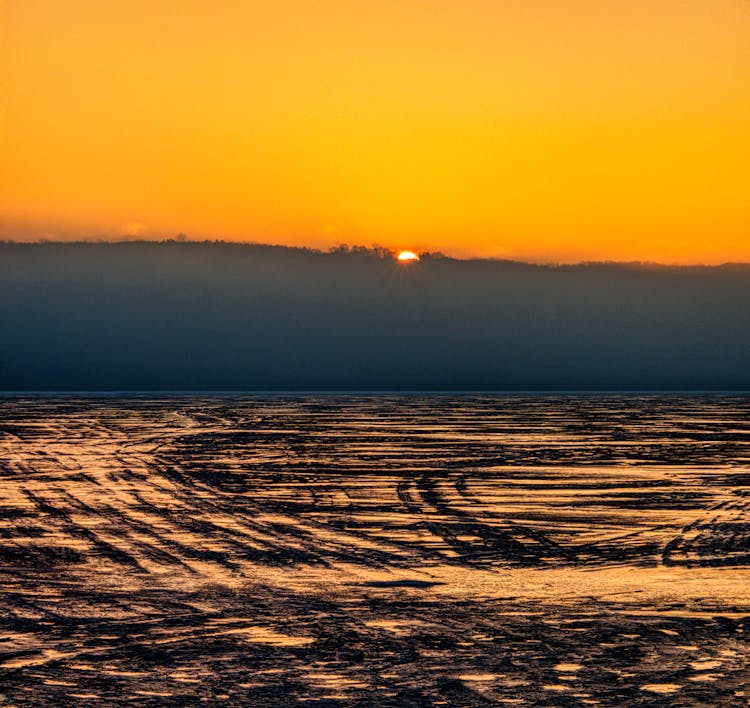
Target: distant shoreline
(375, 393)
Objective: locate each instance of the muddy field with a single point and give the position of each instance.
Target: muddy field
(375, 550)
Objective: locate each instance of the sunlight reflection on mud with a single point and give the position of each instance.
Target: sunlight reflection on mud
(397, 550)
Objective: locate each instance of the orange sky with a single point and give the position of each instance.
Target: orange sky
(540, 129)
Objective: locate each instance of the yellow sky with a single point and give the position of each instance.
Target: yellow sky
(557, 130)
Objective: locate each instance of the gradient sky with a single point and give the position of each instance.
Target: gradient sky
(538, 129)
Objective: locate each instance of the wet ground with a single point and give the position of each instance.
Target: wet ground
(382, 550)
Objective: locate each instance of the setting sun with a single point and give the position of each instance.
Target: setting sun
(407, 256)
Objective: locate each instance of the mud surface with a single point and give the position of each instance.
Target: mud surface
(412, 550)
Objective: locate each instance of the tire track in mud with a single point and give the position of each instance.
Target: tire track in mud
(719, 537)
(179, 479)
(152, 540)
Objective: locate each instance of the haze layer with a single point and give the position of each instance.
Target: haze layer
(231, 317)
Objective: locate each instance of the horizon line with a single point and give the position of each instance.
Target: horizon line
(358, 249)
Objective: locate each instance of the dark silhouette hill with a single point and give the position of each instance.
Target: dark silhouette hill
(218, 316)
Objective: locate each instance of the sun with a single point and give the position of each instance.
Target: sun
(406, 256)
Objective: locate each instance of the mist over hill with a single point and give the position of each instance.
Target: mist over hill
(218, 316)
